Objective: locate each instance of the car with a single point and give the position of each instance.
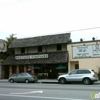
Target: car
(23, 77)
(87, 76)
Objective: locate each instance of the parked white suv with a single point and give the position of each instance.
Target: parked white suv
(87, 76)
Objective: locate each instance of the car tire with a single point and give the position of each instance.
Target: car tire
(62, 81)
(26, 81)
(87, 81)
(11, 81)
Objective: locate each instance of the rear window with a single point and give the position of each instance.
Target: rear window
(87, 71)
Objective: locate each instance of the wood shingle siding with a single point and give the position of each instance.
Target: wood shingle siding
(41, 40)
(54, 57)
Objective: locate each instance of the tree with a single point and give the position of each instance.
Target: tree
(8, 41)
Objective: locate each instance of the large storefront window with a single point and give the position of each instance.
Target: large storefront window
(13, 69)
(21, 69)
(29, 68)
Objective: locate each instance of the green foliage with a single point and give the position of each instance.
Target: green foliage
(43, 76)
(8, 41)
(99, 72)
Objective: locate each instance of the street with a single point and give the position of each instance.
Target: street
(40, 91)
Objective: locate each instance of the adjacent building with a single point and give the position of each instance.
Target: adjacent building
(84, 54)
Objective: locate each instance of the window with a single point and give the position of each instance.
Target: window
(87, 71)
(13, 69)
(73, 72)
(24, 74)
(39, 48)
(19, 75)
(59, 47)
(13, 51)
(22, 50)
(21, 69)
(81, 72)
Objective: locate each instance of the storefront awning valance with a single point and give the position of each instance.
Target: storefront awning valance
(61, 67)
(54, 57)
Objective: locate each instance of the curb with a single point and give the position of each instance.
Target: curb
(39, 81)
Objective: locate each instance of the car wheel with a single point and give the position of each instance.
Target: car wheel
(62, 81)
(86, 81)
(11, 81)
(26, 81)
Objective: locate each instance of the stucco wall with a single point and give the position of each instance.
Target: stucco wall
(89, 63)
(17, 51)
(32, 49)
(51, 48)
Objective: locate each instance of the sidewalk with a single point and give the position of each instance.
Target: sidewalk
(40, 80)
(48, 81)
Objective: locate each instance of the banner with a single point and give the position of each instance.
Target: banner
(87, 51)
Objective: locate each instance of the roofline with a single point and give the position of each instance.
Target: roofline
(84, 42)
(43, 36)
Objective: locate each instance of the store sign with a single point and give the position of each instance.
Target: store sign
(31, 56)
(3, 46)
(87, 51)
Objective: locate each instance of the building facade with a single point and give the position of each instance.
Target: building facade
(84, 54)
(50, 56)
(45, 56)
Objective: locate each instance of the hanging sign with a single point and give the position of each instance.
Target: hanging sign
(3, 46)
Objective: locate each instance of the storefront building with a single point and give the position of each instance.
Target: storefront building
(84, 54)
(45, 56)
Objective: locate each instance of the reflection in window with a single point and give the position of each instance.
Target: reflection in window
(21, 69)
(29, 68)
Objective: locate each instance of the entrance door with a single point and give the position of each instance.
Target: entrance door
(76, 66)
(6, 72)
(52, 72)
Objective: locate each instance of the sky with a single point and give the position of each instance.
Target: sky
(32, 18)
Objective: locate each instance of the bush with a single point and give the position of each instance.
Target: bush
(43, 76)
(99, 72)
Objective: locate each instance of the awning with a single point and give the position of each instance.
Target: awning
(54, 57)
(37, 67)
(61, 67)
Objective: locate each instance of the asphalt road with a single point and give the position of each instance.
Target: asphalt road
(40, 91)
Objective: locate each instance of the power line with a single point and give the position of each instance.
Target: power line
(85, 29)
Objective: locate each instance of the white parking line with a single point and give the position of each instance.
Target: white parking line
(28, 92)
(41, 97)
